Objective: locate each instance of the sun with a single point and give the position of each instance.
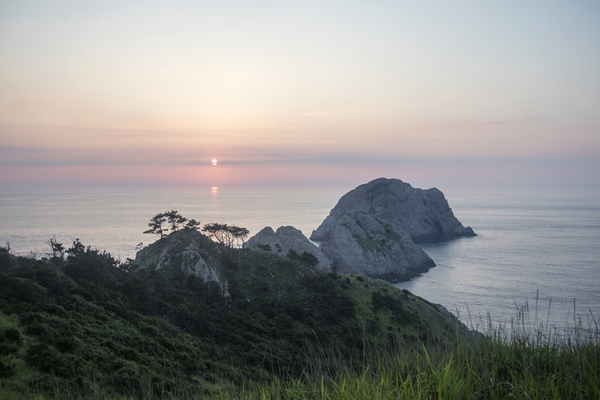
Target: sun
(214, 161)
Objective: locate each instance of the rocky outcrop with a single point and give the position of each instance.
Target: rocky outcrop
(285, 239)
(363, 244)
(184, 249)
(424, 214)
(373, 229)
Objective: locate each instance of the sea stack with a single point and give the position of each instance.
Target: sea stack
(373, 230)
(424, 214)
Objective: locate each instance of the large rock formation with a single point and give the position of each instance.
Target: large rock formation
(363, 244)
(424, 214)
(285, 239)
(184, 249)
(373, 229)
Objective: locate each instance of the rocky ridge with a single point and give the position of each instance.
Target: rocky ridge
(286, 238)
(184, 249)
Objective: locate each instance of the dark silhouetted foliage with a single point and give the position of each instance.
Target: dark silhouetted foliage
(98, 321)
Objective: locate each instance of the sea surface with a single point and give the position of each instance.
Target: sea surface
(535, 249)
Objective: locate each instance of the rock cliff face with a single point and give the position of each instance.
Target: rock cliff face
(361, 243)
(285, 239)
(373, 229)
(424, 214)
(184, 249)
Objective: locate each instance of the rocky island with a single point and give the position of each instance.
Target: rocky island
(374, 230)
(424, 214)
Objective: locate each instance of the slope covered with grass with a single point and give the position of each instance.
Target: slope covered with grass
(88, 324)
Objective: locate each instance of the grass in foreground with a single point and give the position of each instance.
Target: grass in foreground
(88, 328)
(494, 367)
(490, 369)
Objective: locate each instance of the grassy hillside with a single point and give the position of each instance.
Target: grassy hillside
(89, 325)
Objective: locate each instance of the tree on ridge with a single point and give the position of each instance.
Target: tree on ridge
(157, 225)
(192, 224)
(161, 222)
(225, 234)
(175, 219)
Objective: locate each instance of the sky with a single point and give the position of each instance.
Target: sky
(486, 93)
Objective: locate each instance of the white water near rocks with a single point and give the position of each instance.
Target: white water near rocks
(529, 243)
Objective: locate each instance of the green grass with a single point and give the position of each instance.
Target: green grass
(519, 364)
(95, 329)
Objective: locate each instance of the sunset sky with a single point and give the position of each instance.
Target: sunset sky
(496, 93)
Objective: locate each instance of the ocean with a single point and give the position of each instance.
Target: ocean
(539, 249)
(534, 249)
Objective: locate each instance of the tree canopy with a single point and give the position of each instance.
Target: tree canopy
(225, 234)
(162, 222)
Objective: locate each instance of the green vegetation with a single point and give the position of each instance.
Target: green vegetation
(225, 234)
(158, 224)
(491, 369)
(81, 324)
(367, 244)
(385, 241)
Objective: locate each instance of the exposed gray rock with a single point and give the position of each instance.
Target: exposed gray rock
(373, 229)
(182, 249)
(424, 214)
(361, 243)
(285, 239)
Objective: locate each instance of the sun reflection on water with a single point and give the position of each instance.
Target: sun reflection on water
(214, 209)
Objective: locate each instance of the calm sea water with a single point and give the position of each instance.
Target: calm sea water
(537, 248)
(115, 220)
(543, 245)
